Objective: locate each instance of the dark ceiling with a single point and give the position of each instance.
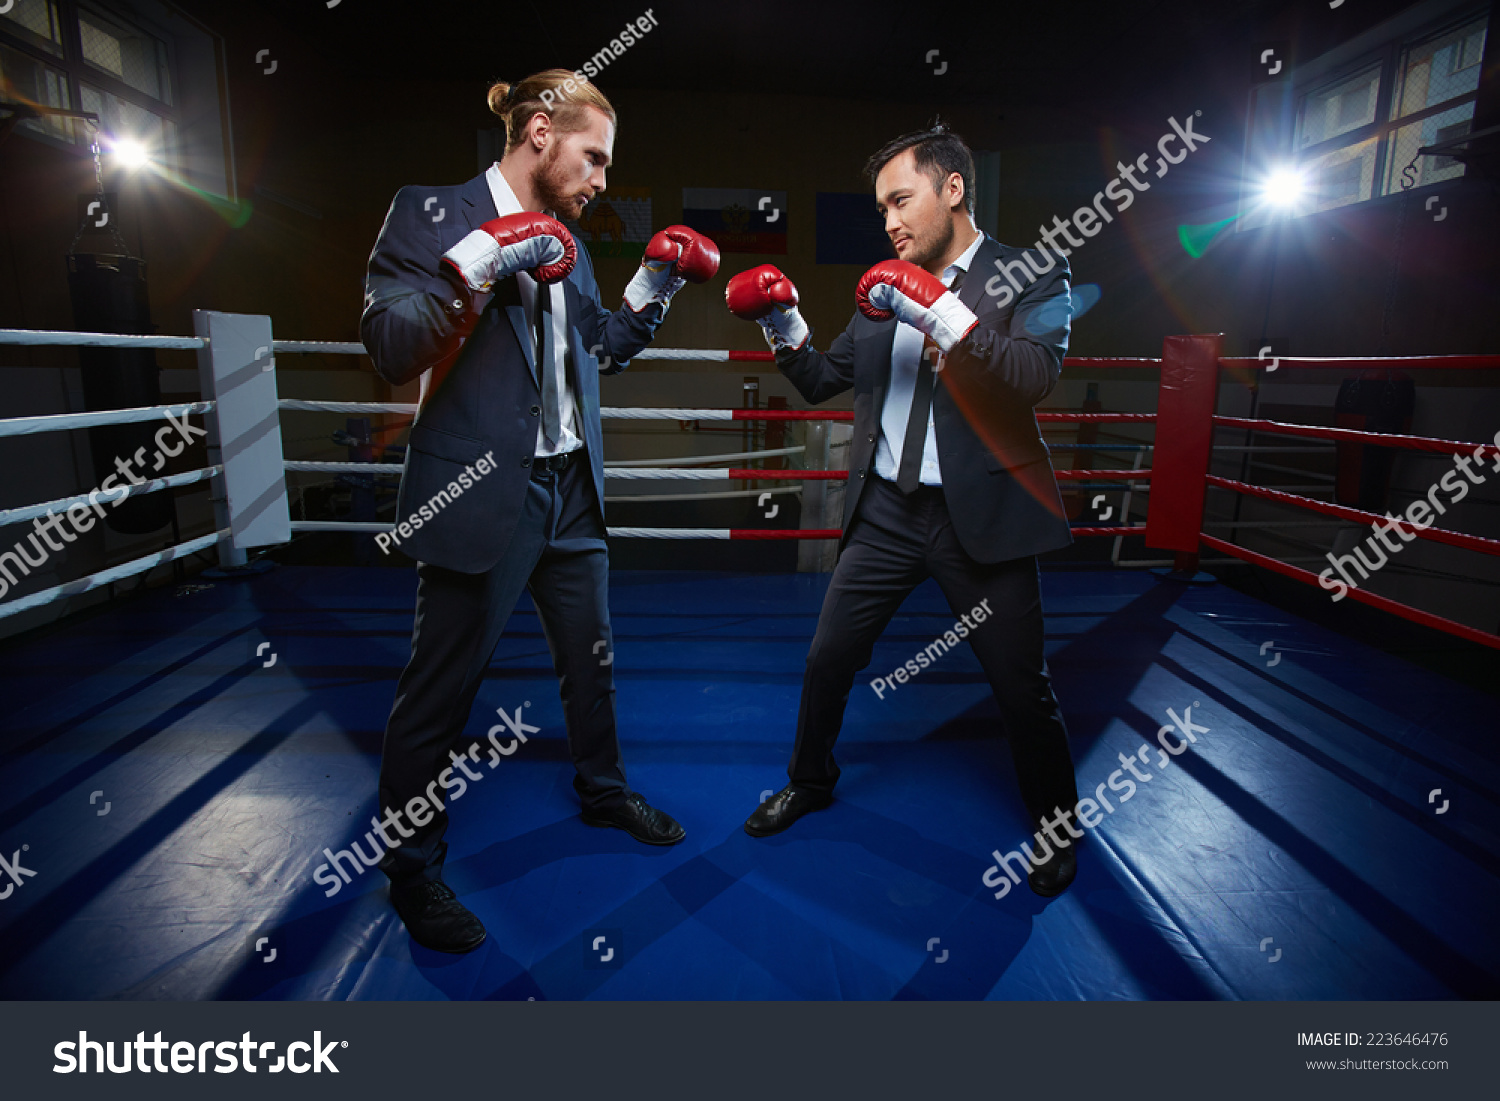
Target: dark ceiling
(1011, 53)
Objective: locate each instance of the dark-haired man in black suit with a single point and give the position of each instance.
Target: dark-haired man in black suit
(948, 477)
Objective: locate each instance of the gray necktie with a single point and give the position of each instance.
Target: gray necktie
(909, 476)
(546, 369)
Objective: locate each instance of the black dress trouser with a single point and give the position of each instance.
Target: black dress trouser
(896, 541)
(558, 554)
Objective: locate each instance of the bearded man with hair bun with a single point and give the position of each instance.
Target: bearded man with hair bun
(481, 292)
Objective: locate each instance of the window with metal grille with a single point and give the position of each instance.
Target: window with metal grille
(80, 56)
(1358, 131)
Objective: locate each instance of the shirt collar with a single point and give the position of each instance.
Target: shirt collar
(500, 190)
(963, 262)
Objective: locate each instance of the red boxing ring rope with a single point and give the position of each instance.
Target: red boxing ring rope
(787, 475)
(1395, 607)
(1363, 363)
(1351, 435)
(785, 533)
(1143, 475)
(1185, 425)
(1344, 512)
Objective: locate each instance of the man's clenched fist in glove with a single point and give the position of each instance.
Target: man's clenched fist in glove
(535, 243)
(763, 294)
(675, 256)
(894, 288)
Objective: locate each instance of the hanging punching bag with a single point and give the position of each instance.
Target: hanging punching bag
(109, 296)
(1375, 401)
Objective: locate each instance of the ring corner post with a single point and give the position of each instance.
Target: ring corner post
(236, 372)
(1185, 403)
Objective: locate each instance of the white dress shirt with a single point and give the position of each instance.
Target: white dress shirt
(906, 355)
(507, 203)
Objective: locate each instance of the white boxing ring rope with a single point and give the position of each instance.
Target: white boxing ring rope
(719, 496)
(228, 345)
(411, 408)
(28, 426)
(31, 512)
(354, 348)
(57, 422)
(671, 533)
(657, 473)
(650, 469)
(113, 573)
(35, 425)
(626, 473)
(716, 458)
(53, 337)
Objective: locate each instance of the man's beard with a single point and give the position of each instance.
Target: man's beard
(551, 186)
(934, 248)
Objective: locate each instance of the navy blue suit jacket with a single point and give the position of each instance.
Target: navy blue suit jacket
(483, 397)
(996, 470)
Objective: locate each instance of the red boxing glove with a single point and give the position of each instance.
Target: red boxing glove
(894, 288)
(528, 241)
(763, 294)
(675, 256)
(696, 256)
(556, 270)
(755, 293)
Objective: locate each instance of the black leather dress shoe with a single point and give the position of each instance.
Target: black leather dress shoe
(1052, 878)
(782, 809)
(639, 819)
(435, 918)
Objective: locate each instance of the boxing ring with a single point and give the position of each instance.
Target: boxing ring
(179, 768)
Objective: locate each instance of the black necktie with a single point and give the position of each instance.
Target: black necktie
(546, 369)
(909, 476)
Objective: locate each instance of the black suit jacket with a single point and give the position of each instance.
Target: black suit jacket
(483, 395)
(996, 470)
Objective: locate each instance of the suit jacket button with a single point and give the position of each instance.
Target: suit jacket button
(872, 437)
(535, 410)
(526, 461)
(458, 303)
(861, 473)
